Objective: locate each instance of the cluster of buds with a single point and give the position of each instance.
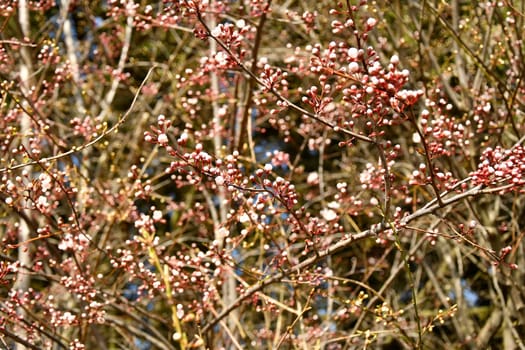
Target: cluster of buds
(160, 132)
(499, 167)
(371, 93)
(49, 54)
(502, 254)
(35, 194)
(284, 191)
(219, 61)
(229, 35)
(308, 18)
(273, 78)
(445, 135)
(87, 127)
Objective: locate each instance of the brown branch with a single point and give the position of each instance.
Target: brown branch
(74, 150)
(348, 239)
(17, 339)
(428, 159)
(255, 53)
(276, 93)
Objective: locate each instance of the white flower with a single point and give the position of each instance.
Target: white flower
(219, 180)
(45, 182)
(328, 214)
(221, 58)
(162, 139)
(157, 215)
(244, 218)
(68, 317)
(42, 202)
(394, 59)
(371, 22)
(353, 53)
(241, 23)
(83, 239)
(183, 137)
(313, 178)
(180, 311)
(222, 232)
(66, 243)
(216, 31)
(334, 205)
(353, 67)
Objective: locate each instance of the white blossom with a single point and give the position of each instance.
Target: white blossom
(328, 214)
(157, 215)
(219, 180)
(162, 139)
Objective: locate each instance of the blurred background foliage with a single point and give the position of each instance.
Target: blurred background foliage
(464, 55)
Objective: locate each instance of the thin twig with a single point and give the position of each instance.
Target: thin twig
(276, 93)
(74, 150)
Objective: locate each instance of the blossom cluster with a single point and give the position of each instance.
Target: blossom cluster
(222, 174)
(503, 168)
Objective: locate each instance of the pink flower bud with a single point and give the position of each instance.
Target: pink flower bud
(162, 139)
